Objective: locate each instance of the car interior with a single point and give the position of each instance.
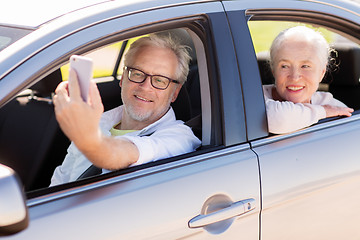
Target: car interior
(28, 124)
(31, 141)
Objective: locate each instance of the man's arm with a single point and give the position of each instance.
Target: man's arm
(80, 123)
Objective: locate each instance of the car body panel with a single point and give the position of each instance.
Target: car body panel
(39, 12)
(308, 186)
(234, 124)
(137, 201)
(256, 126)
(305, 175)
(303, 183)
(32, 14)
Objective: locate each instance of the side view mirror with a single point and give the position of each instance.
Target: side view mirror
(13, 211)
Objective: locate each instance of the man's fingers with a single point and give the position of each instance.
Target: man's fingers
(74, 89)
(95, 97)
(61, 95)
(62, 88)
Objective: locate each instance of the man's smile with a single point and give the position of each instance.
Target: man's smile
(142, 99)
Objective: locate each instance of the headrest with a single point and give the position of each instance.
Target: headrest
(183, 36)
(348, 72)
(182, 106)
(48, 84)
(263, 59)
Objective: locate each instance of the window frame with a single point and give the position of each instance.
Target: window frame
(199, 32)
(341, 26)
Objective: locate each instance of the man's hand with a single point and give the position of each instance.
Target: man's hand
(332, 111)
(78, 120)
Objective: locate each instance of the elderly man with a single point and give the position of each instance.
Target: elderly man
(143, 129)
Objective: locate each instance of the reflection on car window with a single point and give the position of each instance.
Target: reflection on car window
(9, 35)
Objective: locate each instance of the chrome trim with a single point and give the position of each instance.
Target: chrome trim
(17, 26)
(337, 6)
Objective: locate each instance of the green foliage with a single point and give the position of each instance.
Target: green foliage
(264, 32)
(104, 60)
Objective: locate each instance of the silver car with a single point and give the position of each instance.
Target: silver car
(242, 183)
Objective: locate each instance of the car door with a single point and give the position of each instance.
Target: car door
(213, 193)
(308, 178)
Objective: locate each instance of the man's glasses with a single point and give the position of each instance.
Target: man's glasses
(157, 81)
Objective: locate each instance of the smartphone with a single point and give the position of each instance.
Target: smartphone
(84, 68)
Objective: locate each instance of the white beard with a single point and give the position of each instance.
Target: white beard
(137, 116)
(142, 115)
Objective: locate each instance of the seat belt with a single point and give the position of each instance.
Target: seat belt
(90, 171)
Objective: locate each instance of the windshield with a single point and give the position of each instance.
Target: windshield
(9, 35)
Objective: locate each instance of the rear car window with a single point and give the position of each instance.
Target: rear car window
(9, 35)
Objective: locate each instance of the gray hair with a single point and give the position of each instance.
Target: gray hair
(163, 41)
(307, 34)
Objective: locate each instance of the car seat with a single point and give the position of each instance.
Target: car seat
(264, 68)
(345, 85)
(31, 141)
(187, 106)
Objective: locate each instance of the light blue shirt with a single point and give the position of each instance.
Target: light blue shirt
(164, 138)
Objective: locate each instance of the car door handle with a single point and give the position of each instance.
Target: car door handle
(235, 209)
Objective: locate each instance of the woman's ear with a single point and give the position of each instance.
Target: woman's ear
(322, 74)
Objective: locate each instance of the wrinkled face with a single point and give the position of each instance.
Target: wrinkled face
(144, 103)
(297, 71)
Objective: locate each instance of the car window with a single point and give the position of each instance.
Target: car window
(342, 77)
(9, 35)
(126, 46)
(104, 60)
(44, 145)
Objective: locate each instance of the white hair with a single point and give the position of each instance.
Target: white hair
(306, 34)
(163, 41)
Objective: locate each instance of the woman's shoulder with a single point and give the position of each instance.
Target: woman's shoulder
(267, 89)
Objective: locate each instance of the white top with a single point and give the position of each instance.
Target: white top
(169, 137)
(286, 116)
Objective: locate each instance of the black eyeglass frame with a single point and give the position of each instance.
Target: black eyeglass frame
(128, 69)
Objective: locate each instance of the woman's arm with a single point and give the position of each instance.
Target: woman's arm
(284, 117)
(333, 111)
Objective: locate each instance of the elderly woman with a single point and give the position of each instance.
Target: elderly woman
(299, 58)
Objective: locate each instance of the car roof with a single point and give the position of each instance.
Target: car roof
(34, 13)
